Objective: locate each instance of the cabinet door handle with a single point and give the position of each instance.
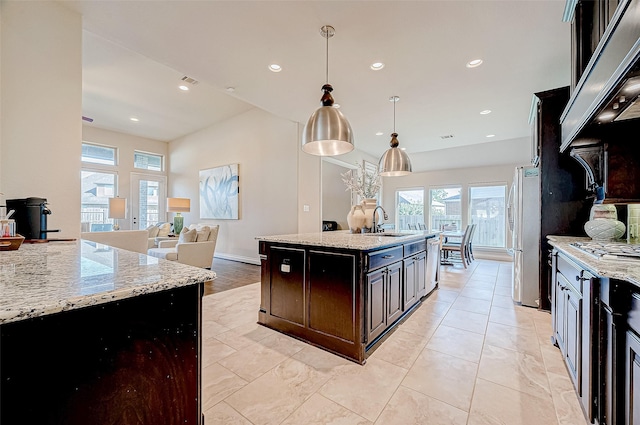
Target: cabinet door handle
(386, 257)
(581, 279)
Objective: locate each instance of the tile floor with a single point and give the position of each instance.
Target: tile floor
(467, 355)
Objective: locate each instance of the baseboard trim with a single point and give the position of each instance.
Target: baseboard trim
(248, 260)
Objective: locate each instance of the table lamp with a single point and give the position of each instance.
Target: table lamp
(117, 209)
(178, 205)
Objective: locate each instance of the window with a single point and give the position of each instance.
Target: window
(445, 209)
(409, 209)
(487, 206)
(147, 161)
(98, 154)
(97, 188)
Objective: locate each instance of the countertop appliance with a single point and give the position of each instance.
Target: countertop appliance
(523, 210)
(31, 217)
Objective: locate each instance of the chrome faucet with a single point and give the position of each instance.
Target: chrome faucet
(377, 227)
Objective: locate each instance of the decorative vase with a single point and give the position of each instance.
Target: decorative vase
(368, 206)
(356, 219)
(603, 224)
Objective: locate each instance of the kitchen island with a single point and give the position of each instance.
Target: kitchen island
(94, 334)
(341, 291)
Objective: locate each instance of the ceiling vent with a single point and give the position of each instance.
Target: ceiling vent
(189, 80)
(447, 136)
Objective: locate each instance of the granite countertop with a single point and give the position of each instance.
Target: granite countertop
(47, 278)
(628, 270)
(347, 240)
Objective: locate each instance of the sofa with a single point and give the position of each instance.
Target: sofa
(195, 246)
(131, 240)
(157, 231)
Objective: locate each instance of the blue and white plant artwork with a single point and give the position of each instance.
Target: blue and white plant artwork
(219, 192)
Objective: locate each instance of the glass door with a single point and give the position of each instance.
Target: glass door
(148, 200)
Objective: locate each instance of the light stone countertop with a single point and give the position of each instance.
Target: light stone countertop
(628, 270)
(347, 240)
(47, 278)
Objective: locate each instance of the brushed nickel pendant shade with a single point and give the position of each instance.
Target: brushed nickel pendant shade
(394, 162)
(328, 132)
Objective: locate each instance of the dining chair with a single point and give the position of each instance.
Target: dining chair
(470, 244)
(421, 226)
(412, 227)
(461, 248)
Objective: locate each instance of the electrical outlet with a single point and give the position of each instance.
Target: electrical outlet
(305, 208)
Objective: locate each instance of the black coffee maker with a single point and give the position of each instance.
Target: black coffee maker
(31, 217)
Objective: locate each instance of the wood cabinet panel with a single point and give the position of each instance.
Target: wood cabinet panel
(573, 335)
(421, 274)
(410, 288)
(632, 381)
(394, 292)
(287, 297)
(377, 314)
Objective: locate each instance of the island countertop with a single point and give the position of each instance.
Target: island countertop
(347, 240)
(42, 279)
(628, 270)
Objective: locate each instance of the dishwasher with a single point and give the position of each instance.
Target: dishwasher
(433, 263)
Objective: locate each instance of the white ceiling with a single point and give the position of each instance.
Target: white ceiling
(135, 53)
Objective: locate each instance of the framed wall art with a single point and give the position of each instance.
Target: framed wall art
(219, 192)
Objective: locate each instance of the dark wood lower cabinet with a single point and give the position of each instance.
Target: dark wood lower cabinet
(377, 314)
(632, 379)
(395, 298)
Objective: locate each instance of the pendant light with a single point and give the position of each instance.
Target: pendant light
(395, 161)
(327, 132)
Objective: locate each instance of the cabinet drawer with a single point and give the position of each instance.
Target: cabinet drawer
(414, 247)
(384, 257)
(570, 271)
(633, 318)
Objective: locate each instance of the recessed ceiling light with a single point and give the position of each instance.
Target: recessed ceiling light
(274, 67)
(491, 135)
(377, 66)
(231, 89)
(485, 112)
(474, 63)
(134, 119)
(379, 133)
(183, 88)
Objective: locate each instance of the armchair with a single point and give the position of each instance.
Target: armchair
(199, 253)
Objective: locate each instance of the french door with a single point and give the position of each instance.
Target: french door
(148, 200)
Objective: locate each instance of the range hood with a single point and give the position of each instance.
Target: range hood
(610, 84)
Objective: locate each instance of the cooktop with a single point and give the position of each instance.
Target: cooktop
(609, 250)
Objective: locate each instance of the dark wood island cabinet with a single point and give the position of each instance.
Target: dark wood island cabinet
(341, 291)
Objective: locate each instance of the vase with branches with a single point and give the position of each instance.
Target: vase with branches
(366, 185)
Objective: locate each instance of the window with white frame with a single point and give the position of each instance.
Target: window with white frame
(410, 209)
(148, 161)
(97, 187)
(97, 154)
(445, 208)
(487, 212)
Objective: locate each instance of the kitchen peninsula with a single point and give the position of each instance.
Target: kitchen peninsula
(94, 334)
(341, 291)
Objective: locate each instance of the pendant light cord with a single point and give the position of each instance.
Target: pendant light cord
(394, 114)
(327, 61)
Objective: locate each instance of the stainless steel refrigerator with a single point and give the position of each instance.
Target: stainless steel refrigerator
(523, 211)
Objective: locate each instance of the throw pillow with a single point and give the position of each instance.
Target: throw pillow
(187, 235)
(203, 233)
(153, 231)
(164, 229)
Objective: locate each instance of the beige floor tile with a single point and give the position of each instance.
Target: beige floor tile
(483, 275)
(283, 344)
(515, 370)
(401, 348)
(502, 290)
(319, 410)
(217, 384)
(444, 295)
(466, 320)
(321, 360)
(421, 322)
(504, 281)
(457, 342)
(443, 377)
(566, 402)
(451, 285)
(214, 350)
(503, 301)
(271, 398)
(253, 361)
(480, 284)
(244, 335)
(513, 317)
(435, 308)
(222, 413)
(411, 407)
(494, 404)
(513, 338)
(454, 276)
(553, 360)
(211, 328)
(366, 389)
(472, 304)
(480, 294)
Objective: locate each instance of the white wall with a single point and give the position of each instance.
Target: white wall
(266, 149)
(126, 144)
(335, 198)
(41, 104)
(464, 177)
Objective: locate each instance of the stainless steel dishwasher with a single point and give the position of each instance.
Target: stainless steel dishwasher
(433, 263)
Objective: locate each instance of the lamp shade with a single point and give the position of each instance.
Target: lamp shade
(394, 162)
(327, 133)
(178, 204)
(117, 207)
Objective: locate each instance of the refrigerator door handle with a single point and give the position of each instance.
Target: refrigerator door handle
(510, 217)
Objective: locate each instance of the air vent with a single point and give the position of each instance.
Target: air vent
(447, 136)
(189, 80)
(87, 119)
